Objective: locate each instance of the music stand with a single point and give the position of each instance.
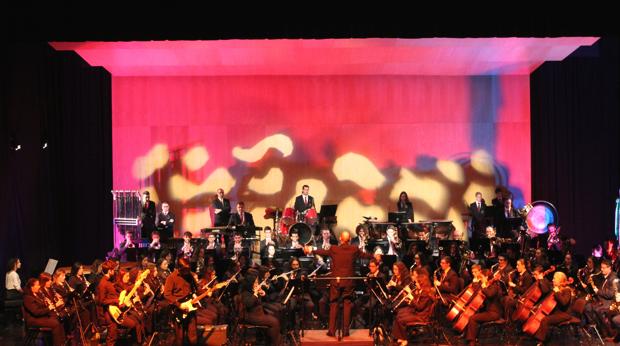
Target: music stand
(51, 266)
(397, 217)
(370, 246)
(389, 260)
(286, 254)
(328, 211)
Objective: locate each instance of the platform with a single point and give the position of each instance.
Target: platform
(358, 337)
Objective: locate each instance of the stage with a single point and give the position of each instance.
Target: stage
(358, 337)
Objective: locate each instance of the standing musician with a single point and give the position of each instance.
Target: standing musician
(221, 208)
(516, 287)
(419, 305)
(562, 295)
(108, 295)
(491, 310)
(343, 256)
(478, 211)
(39, 312)
(147, 216)
(448, 283)
(395, 245)
(179, 285)
(165, 222)
(251, 309)
(242, 220)
(404, 205)
(304, 201)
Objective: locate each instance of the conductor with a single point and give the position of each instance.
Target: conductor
(343, 256)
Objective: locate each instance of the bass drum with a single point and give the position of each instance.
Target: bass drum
(539, 214)
(304, 231)
(311, 217)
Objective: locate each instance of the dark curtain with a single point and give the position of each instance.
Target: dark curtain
(56, 202)
(576, 140)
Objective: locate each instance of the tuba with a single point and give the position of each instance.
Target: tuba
(525, 210)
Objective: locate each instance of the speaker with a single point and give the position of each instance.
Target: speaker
(213, 335)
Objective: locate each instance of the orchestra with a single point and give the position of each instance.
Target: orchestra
(296, 281)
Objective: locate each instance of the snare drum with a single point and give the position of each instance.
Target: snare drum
(288, 217)
(311, 216)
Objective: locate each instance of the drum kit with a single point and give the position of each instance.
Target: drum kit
(289, 220)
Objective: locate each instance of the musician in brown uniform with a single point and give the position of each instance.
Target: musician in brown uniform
(343, 256)
(38, 312)
(560, 313)
(491, 310)
(108, 295)
(178, 286)
(419, 307)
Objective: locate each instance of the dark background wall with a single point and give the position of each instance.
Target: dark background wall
(55, 202)
(575, 133)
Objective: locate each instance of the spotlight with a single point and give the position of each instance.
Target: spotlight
(14, 145)
(44, 146)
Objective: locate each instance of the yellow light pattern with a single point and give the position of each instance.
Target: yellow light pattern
(451, 171)
(435, 194)
(195, 158)
(350, 212)
(182, 189)
(358, 169)
(196, 220)
(482, 162)
(155, 159)
(270, 184)
(278, 141)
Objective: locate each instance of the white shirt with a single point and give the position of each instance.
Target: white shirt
(12, 281)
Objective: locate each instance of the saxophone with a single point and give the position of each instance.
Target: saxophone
(615, 306)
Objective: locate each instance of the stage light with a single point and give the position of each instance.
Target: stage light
(44, 145)
(14, 144)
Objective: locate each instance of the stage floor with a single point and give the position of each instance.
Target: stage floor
(358, 337)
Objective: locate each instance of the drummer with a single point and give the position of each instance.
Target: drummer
(304, 201)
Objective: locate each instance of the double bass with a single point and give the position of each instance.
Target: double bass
(545, 308)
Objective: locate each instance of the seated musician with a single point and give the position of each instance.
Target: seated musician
(604, 293)
(71, 299)
(418, 308)
(326, 240)
(127, 243)
(209, 313)
(270, 239)
(186, 250)
(447, 282)
(213, 246)
(39, 312)
(251, 309)
(400, 279)
(293, 241)
(368, 304)
(154, 246)
(236, 247)
(568, 267)
(517, 285)
(501, 271)
(179, 285)
(560, 313)
(125, 281)
(361, 239)
(301, 303)
(107, 295)
(492, 308)
(395, 245)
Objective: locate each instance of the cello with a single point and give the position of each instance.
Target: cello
(529, 299)
(472, 307)
(459, 304)
(545, 308)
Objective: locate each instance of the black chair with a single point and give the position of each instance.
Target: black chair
(494, 330)
(12, 307)
(430, 328)
(36, 333)
(241, 329)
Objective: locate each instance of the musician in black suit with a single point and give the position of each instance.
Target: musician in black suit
(504, 228)
(165, 222)
(405, 205)
(270, 239)
(242, 220)
(147, 216)
(498, 206)
(304, 201)
(478, 211)
(221, 207)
